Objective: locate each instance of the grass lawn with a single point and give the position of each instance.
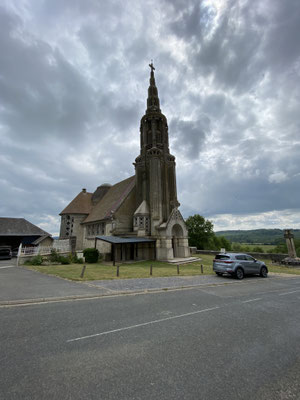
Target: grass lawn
(141, 269)
(135, 270)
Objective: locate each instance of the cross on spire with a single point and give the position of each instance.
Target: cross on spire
(152, 66)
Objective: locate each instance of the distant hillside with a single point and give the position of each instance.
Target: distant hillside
(263, 236)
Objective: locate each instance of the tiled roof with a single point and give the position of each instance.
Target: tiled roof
(19, 227)
(82, 204)
(111, 201)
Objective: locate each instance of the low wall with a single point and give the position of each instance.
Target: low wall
(274, 257)
(21, 260)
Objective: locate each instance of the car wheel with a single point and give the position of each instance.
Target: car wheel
(239, 274)
(219, 273)
(263, 272)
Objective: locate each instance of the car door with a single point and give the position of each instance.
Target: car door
(252, 265)
(243, 262)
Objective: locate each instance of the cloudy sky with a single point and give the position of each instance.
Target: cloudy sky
(73, 85)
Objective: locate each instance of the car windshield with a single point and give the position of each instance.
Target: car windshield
(222, 257)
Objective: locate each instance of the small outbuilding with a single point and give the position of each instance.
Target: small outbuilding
(14, 231)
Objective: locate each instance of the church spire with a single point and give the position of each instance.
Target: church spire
(153, 100)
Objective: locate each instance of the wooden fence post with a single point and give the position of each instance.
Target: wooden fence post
(177, 269)
(82, 272)
(201, 269)
(151, 269)
(118, 270)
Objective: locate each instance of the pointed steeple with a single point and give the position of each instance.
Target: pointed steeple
(153, 100)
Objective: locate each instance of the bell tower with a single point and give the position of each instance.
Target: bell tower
(155, 166)
(157, 213)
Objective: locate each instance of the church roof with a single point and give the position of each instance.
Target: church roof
(111, 201)
(82, 204)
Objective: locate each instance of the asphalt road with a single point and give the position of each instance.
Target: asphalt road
(238, 341)
(21, 285)
(18, 283)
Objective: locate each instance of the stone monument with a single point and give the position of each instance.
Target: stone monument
(292, 259)
(289, 237)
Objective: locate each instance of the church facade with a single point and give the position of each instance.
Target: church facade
(137, 218)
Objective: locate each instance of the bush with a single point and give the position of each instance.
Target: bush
(75, 259)
(257, 249)
(36, 260)
(91, 255)
(54, 256)
(64, 260)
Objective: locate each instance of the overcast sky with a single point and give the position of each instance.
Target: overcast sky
(73, 86)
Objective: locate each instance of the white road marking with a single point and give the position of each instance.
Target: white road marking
(284, 294)
(9, 266)
(143, 324)
(248, 301)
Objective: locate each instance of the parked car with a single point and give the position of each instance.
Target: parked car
(239, 265)
(5, 253)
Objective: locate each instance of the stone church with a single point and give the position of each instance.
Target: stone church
(137, 218)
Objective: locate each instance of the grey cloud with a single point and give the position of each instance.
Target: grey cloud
(42, 94)
(248, 41)
(282, 46)
(190, 135)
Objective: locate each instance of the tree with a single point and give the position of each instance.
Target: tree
(200, 231)
(202, 236)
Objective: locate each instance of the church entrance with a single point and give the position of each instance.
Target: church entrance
(177, 233)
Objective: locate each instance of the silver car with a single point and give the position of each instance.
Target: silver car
(239, 265)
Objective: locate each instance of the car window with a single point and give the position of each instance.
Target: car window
(4, 252)
(249, 258)
(222, 257)
(240, 257)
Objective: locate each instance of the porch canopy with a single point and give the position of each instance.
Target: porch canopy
(116, 240)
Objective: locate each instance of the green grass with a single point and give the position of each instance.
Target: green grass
(141, 269)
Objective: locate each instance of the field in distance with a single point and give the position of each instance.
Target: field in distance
(265, 247)
(256, 236)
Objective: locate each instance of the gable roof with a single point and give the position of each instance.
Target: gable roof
(82, 204)
(19, 227)
(111, 201)
(142, 208)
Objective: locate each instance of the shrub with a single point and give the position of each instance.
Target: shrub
(257, 249)
(64, 260)
(91, 255)
(36, 260)
(54, 256)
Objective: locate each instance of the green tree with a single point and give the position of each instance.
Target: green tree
(202, 236)
(200, 231)
(222, 243)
